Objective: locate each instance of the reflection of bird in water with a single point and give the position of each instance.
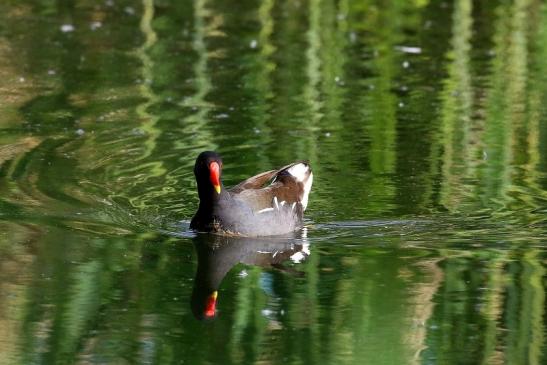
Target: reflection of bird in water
(218, 254)
(270, 203)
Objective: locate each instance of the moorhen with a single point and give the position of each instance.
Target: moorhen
(253, 207)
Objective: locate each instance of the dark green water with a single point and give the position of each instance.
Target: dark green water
(425, 123)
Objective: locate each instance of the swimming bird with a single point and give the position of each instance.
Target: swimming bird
(267, 204)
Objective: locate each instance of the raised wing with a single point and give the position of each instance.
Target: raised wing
(289, 184)
(254, 182)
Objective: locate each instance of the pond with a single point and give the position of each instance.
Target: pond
(425, 123)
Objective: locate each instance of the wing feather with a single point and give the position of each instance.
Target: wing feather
(254, 182)
(259, 195)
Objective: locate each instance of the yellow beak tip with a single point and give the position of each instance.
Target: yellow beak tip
(217, 188)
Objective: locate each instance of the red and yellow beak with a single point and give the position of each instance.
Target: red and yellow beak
(210, 305)
(214, 175)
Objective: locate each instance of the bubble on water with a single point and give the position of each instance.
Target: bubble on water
(51, 72)
(253, 44)
(138, 132)
(80, 132)
(267, 312)
(21, 79)
(67, 28)
(327, 134)
(129, 10)
(408, 49)
(222, 116)
(339, 81)
(401, 104)
(95, 25)
(406, 64)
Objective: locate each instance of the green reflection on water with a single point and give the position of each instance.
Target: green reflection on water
(425, 126)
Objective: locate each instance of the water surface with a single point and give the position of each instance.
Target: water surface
(425, 124)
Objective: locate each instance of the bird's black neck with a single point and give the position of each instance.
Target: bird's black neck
(208, 197)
